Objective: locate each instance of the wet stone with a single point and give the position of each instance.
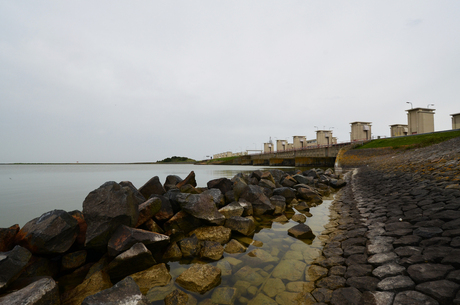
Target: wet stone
(413, 297)
(358, 270)
(315, 272)
(331, 282)
(408, 251)
(428, 232)
(328, 252)
(436, 254)
(273, 286)
(356, 259)
(338, 270)
(454, 276)
(382, 258)
(379, 248)
(396, 283)
(428, 272)
(377, 298)
(224, 295)
(291, 270)
(409, 240)
(322, 294)
(443, 291)
(363, 283)
(346, 296)
(354, 250)
(388, 270)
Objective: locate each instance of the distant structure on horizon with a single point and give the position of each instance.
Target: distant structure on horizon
(360, 131)
(420, 120)
(455, 121)
(398, 130)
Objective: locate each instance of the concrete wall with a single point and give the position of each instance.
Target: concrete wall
(420, 120)
(455, 121)
(324, 137)
(360, 131)
(269, 148)
(398, 130)
(299, 142)
(281, 145)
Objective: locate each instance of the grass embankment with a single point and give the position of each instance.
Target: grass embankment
(413, 141)
(225, 160)
(176, 159)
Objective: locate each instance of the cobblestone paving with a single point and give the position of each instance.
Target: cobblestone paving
(394, 235)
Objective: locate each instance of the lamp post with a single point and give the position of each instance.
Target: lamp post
(429, 105)
(411, 106)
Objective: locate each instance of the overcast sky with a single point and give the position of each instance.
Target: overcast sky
(119, 81)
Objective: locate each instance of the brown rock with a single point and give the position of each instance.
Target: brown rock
(155, 276)
(97, 282)
(235, 247)
(190, 179)
(211, 250)
(200, 278)
(80, 240)
(7, 237)
(153, 186)
(148, 209)
(220, 234)
(73, 260)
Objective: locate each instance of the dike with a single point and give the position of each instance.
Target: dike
(394, 234)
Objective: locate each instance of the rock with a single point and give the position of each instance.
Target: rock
(12, 263)
(388, 270)
(211, 250)
(288, 181)
(428, 232)
(217, 196)
(78, 216)
(243, 225)
(280, 204)
(225, 268)
(299, 218)
(291, 270)
(189, 189)
(322, 295)
(178, 297)
(309, 194)
(154, 276)
(396, 283)
(40, 266)
(383, 258)
(7, 236)
(223, 184)
(181, 223)
(205, 209)
(125, 237)
(260, 256)
(159, 293)
(152, 226)
(413, 297)
(346, 296)
(104, 210)
(97, 282)
(70, 281)
(247, 207)
(199, 278)
(301, 231)
(265, 183)
(148, 209)
(332, 282)
(428, 272)
(232, 209)
(73, 260)
(166, 210)
(220, 234)
(273, 286)
(262, 299)
(287, 192)
(315, 272)
(153, 186)
(172, 252)
(281, 218)
(125, 292)
(136, 259)
(300, 286)
(378, 298)
(250, 275)
(224, 295)
(190, 246)
(363, 283)
(234, 246)
(260, 202)
(358, 270)
(337, 183)
(42, 291)
(443, 291)
(190, 179)
(52, 233)
(171, 182)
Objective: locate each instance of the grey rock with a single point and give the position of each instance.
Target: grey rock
(428, 232)
(363, 283)
(260, 202)
(153, 186)
(443, 291)
(232, 209)
(383, 258)
(388, 270)
(377, 298)
(43, 291)
(190, 246)
(136, 259)
(223, 184)
(346, 296)
(125, 292)
(301, 231)
(413, 298)
(396, 283)
(358, 270)
(408, 251)
(243, 225)
(428, 272)
(331, 282)
(205, 209)
(12, 263)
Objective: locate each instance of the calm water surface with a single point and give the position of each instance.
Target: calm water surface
(28, 191)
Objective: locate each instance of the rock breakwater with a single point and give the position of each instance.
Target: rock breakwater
(118, 247)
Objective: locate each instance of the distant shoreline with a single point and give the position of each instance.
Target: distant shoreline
(98, 163)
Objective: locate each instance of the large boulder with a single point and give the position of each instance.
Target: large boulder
(12, 263)
(42, 291)
(232, 209)
(125, 237)
(181, 224)
(7, 237)
(148, 209)
(211, 250)
(205, 209)
(217, 196)
(308, 194)
(199, 278)
(171, 182)
(190, 246)
(223, 184)
(301, 231)
(139, 197)
(136, 259)
(243, 225)
(190, 179)
(260, 202)
(95, 283)
(286, 192)
(104, 210)
(301, 179)
(53, 232)
(78, 216)
(220, 234)
(125, 292)
(280, 204)
(155, 276)
(166, 209)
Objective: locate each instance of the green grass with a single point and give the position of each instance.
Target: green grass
(415, 141)
(176, 159)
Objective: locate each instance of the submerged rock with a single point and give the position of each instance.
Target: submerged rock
(301, 231)
(125, 292)
(155, 276)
